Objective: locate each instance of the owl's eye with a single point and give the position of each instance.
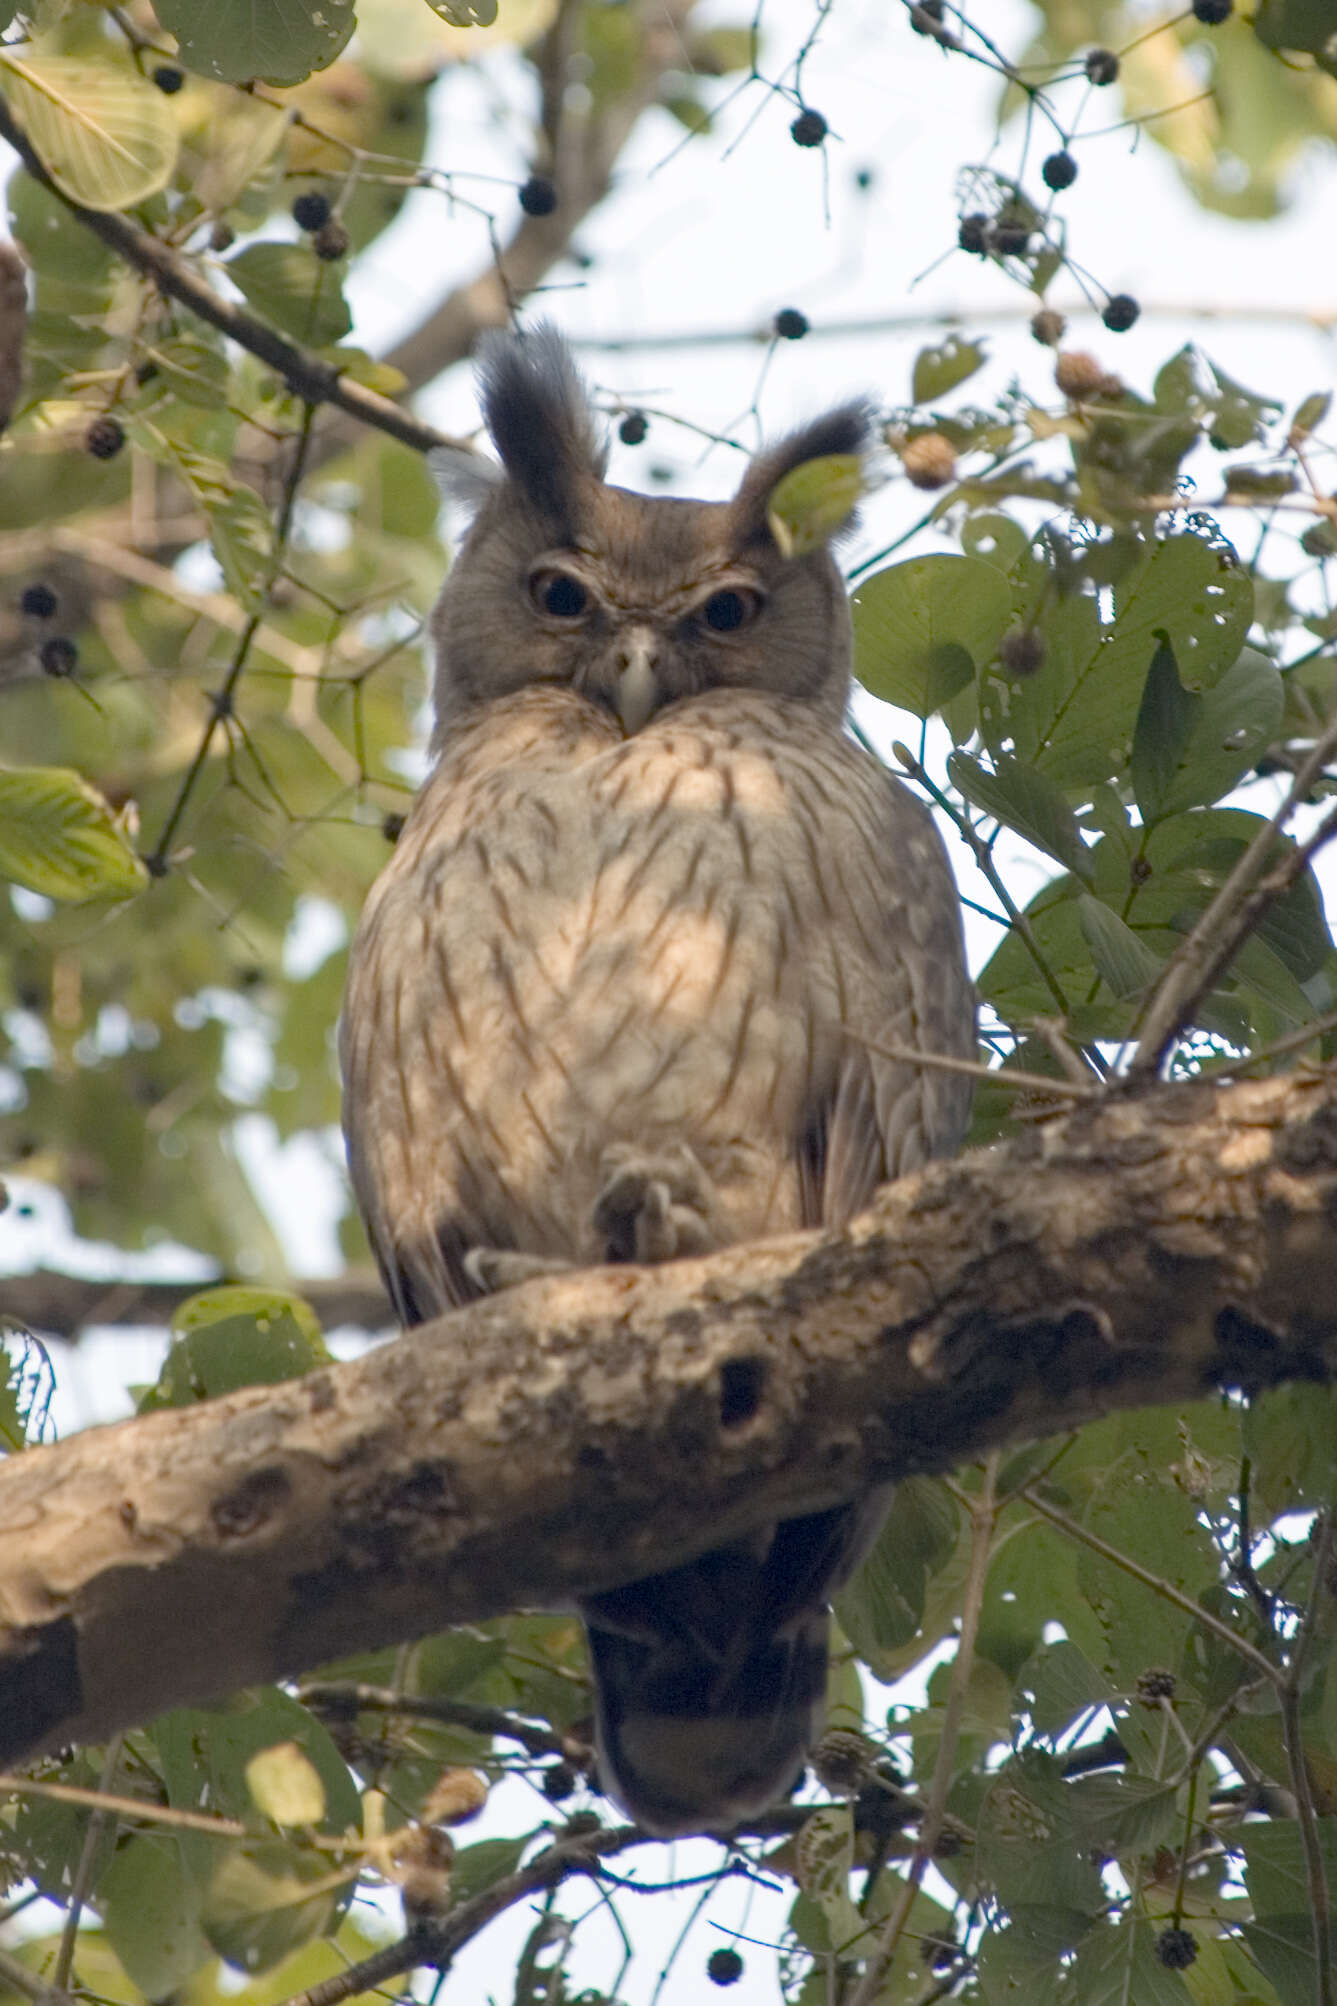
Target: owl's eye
(724, 612)
(558, 593)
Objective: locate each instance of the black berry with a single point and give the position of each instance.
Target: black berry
(222, 237)
(1176, 1949)
(311, 210)
(808, 129)
(330, 241)
(1022, 651)
(633, 428)
(38, 601)
(145, 371)
(1101, 66)
(58, 656)
(1121, 312)
(1213, 12)
(559, 1782)
(538, 196)
(1009, 237)
(972, 233)
(790, 324)
(928, 15)
(1059, 171)
(392, 826)
(864, 177)
(104, 438)
(724, 1967)
(169, 78)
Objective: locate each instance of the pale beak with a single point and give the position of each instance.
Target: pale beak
(638, 694)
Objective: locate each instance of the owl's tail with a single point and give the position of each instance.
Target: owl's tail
(710, 1680)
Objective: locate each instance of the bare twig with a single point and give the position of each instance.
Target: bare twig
(13, 319)
(1205, 953)
(983, 1514)
(349, 1698)
(1293, 1736)
(1016, 1082)
(83, 1872)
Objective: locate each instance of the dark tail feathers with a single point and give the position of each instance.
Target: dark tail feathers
(710, 1681)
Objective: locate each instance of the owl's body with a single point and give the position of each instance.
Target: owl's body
(617, 993)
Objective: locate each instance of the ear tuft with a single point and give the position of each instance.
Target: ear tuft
(539, 416)
(846, 431)
(465, 479)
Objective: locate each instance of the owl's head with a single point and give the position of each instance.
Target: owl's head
(633, 600)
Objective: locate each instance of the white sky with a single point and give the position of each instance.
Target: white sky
(717, 235)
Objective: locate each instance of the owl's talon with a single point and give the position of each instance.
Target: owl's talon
(492, 1269)
(654, 1209)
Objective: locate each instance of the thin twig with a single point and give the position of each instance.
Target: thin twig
(347, 1698)
(83, 1872)
(984, 1511)
(1158, 1585)
(1292, 1736)
(1205, 953)
(995, 1076)
(29, 1984)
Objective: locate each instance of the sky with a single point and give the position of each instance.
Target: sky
(713, 237)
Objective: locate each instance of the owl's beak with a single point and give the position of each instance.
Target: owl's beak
(637, 694)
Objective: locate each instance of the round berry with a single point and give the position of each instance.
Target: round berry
(1154, 1685)
(842, 1761)
(633, 428)
(169, 78)
(1048, 327)
(58, 656)
(808, 129)
(1101, 66)
(1059, 171)
(145, 371)
(1213, 12)
(1078, 374)
(330, 241)
(864, 177)
(929, 460)
(222, 237)
(311, 210)
(559, 1781)
(1009, 237)
(1176, 1949)
(104, 438)
(39, 602)
(790, 324)
(538, 196)
(1021, 652)
(972, 232)
(392, 826)
(1121, 313)
(724, 1967)
(927, 17)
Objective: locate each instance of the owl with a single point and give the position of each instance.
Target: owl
(618, 993)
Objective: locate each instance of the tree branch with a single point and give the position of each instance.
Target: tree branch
(53, 1304)
(594, 1427)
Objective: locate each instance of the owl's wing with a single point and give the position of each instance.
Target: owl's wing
(906, 986)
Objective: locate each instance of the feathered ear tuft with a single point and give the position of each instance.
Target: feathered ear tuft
(848, 430)
(539, 416)
(465, 479)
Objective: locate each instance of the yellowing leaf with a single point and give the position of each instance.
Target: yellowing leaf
(58, 836)
(813, 501)
(106, 137)
(285, 1784)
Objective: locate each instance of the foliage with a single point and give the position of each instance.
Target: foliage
(1107, 612)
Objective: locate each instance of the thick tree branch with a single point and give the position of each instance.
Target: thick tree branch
(590, 1428)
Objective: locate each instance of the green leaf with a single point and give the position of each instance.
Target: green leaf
(150, 1910)
(290, 286)
(58, 836)
(883, 1605)
(923, 627)
(106, 137)
(813, 501)
(479, 1866)
(938, 370)
(824, 1852)
(1165, 720)
(266, 1900)
(466, 13)
(1116, 1965)
(1188, 750)
(239, 41)
(1290, 1436)
(1026, 801)
(1057, 1685)
(1281, 1936)
(1309, 415)
(235, 1336)
(1126, 963)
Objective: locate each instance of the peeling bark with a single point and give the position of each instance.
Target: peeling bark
(587, 1429)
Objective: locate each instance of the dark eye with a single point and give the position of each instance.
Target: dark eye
(558, 593)
(724, 611)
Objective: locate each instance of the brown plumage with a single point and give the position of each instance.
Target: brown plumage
(606, 1002)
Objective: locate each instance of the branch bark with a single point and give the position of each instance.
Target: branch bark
(53, 1304)
(590, 1428)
